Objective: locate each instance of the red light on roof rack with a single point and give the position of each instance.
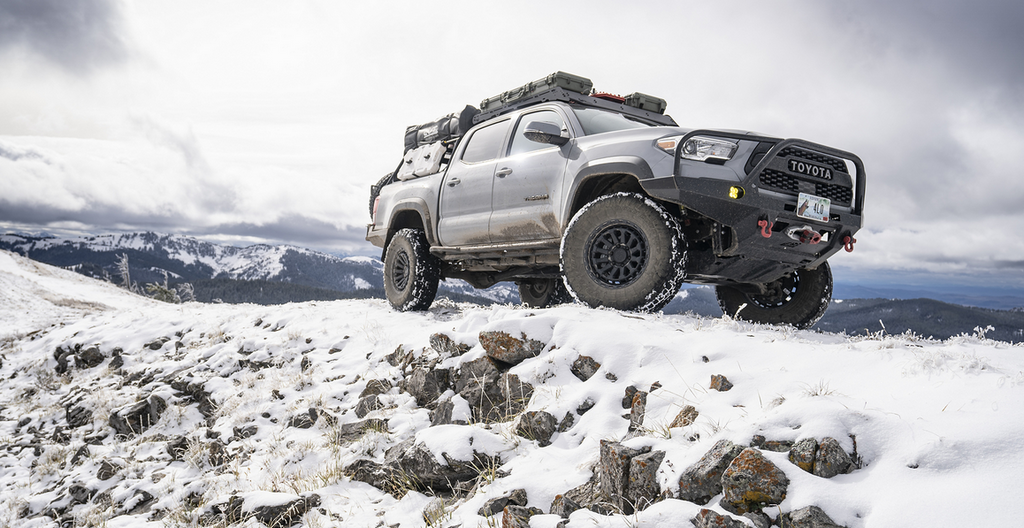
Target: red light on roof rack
(609, 97)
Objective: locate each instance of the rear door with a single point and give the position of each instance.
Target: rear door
(464, 208)
(526, 183)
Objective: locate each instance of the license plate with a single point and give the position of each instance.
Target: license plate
(813, 207)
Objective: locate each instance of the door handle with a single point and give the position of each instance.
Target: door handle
(505, 171)
(453, 182)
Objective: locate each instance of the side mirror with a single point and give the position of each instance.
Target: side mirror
(543, 132)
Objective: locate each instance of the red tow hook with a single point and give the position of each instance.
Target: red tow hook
(808, 236)
(766, 228)
(848, 242)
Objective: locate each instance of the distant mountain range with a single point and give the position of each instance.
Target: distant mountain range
(922, 317)
(257, 273)
(265, 274)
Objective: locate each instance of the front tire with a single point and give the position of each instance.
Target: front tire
(411, 273)
(542, 293)
(624, 251)
(798, 299)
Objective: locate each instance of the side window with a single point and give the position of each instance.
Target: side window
(519, 142)
(485, 143)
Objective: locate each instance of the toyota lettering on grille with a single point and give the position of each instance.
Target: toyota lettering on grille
(801, 167)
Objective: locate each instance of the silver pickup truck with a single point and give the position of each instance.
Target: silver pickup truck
(603, 199)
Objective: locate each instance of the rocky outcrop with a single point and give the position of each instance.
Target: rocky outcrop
(809, 517)
(137, 417)
(826, 459)
(703, 480)
(501, 346)
(752, 482)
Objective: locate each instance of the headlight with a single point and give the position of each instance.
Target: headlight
(700, 148)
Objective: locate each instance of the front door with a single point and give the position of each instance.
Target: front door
(526, 184)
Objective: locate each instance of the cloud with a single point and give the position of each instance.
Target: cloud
(974, 40)
(77, 35)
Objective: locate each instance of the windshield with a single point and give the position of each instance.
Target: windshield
(597, 121)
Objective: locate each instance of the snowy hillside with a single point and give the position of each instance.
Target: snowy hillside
(120, 411)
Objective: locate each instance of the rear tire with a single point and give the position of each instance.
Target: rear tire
(624, 251)
(411, 273)
(541, 293)
(798, 299)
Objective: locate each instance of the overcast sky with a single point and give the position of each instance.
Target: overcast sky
(251, 121)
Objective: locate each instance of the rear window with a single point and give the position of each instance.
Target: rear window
(485, 143)
(595, 121)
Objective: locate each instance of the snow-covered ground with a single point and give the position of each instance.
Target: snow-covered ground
(939, 426)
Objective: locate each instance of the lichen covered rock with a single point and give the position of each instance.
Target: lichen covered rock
(752, 482)
(703, 480)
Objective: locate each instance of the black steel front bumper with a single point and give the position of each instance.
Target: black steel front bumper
(754, 236)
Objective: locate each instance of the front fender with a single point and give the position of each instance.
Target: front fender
(634, 166)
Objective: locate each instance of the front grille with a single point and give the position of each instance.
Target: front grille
(793, 152)
(838, 195)
(780, 181)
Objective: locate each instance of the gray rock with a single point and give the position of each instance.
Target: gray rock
(442, 414)
(703, 480)
(584, 367)
(687, 415)
(613, 472)
(376, 386)
(563, 506)
(242, 433)
(720, 383)
(478, 383)
(760, 519)
(537, 425)
(304, 420)
(515, 394)
(709, 519)
(89, 358)
(831, 459)
(373, 473)
(447, 346)
(108, 469)
(643, 487)
(637, 411)
(809, 517)
(585, 494)
(217, 453)
(497, 505)
(288, 514)
(507, 349)
(518, 516)
(367, 404)
(419, 465)
(752, 482)
(802, 454)
(77, 416)
(627, 398)
(351, 432)
(518, 497)
(177, 447)
(426, 385)
(567, 422)
(778, 446)
(137, 417)
(399, 358)
(81, 453)
(157, 344)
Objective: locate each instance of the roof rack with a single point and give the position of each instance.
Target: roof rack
(561, 94)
